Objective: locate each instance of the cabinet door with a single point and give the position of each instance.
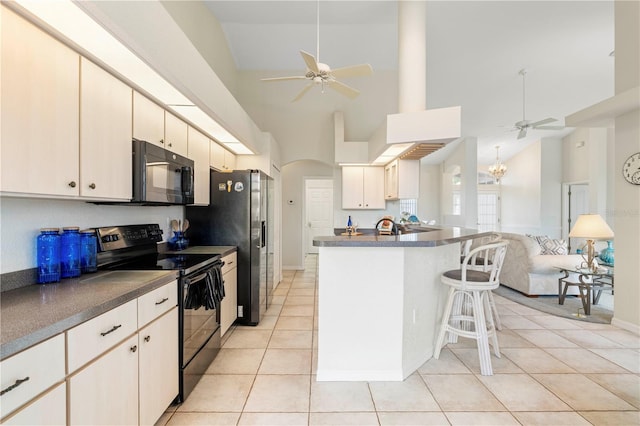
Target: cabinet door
(199, 153)
(352, 187)
(158, 366)
(148, 120)
(408, 179)
(229, 305)
(105, 134)
(175, 134)
(49, 409)
(391, 181)
(229, 160)
(40, 111)
(106, 391)
(373, 188)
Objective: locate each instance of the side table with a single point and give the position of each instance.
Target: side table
(590, 285)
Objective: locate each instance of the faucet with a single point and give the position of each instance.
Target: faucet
(394, 228)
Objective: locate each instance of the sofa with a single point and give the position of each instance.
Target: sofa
(528, 271)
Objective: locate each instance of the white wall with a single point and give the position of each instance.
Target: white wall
(521, 192)
(429, 199)
(464, 156)
(22, 219)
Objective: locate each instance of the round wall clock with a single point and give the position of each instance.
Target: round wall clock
(631, 169)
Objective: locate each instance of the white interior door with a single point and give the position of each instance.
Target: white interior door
(318, 210)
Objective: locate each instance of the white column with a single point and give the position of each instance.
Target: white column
(412, 56)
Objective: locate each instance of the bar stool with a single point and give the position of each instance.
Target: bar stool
(482, 262)
(467, 312)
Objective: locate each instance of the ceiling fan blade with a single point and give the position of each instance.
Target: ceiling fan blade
(542, 122)
(310, 60)
(284, 78)
(550, 127)
(342, 88)
(302, 92)
(522, 133)
(352, 71)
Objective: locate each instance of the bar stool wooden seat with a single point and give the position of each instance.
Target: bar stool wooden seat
(468, 312)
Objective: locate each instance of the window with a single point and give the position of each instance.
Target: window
(488, 211)
(410, 206)
(456, 207)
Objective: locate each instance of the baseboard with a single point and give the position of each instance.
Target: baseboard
(292, 268)
(625, 325)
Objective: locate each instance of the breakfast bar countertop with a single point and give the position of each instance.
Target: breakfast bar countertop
(430, 237)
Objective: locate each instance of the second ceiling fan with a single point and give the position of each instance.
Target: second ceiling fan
(322, 75)
(524, 125)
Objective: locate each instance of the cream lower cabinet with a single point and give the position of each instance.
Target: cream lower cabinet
(158, 371)
(363, 187)
(39, 112)
(229, 305)
(106, 391)
(198, 149)
(120, 376)
(48, 409)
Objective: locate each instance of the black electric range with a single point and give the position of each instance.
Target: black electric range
(135, 247)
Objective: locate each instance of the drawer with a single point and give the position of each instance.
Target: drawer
(230, 262)
(157, 302)
(88, 340)
(42, 365)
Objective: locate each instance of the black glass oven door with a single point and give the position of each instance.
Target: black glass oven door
(198, 324)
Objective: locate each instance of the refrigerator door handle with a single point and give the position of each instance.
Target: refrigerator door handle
(263, 239)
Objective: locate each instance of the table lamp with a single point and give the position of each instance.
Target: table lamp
(592, 227)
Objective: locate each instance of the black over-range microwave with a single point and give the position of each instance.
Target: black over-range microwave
(160, 176)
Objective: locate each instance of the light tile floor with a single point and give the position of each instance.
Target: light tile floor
(553, 371)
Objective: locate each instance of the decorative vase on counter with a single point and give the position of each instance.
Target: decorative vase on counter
(178, 241)
(606, 255)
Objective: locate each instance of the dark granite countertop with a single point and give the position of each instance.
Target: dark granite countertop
(32, 314)
(431, 238)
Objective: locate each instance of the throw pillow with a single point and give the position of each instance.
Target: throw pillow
(550, 246)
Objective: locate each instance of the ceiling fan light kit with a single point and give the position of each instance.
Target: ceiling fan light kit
(321, 74)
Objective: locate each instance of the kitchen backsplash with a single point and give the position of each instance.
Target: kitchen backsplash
(22, 218)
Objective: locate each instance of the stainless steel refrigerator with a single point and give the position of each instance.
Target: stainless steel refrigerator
(239, 214)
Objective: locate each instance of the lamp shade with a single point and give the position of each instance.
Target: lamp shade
(591, 226)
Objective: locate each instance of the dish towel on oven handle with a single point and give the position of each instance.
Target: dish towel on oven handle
(207, 293)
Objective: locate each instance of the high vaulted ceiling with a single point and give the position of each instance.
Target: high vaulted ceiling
(475, 50)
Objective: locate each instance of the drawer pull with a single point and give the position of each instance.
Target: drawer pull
(115, 327)
(13, 386)
(162, 301)
(147, 338)
(134, 348)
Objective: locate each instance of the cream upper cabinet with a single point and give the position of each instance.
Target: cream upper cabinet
(402, 179)
(221, 159)
(363, 187)
(39, 146)
(175, 134)
(198, 151)
(148, 120)
(105, 134)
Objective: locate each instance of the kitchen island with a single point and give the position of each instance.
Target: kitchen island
(380, 301)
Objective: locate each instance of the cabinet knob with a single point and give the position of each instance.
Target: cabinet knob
(147, 338)
(162, 141)
(134, 348)
(92, 186)
(72, 184)
(170, 144)
(359, 205)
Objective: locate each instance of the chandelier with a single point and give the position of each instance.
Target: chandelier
(498, 169)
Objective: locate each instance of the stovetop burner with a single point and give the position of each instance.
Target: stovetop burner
(135, 247)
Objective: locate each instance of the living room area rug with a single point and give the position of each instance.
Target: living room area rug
(549, 304)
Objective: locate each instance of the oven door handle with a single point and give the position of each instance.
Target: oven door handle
(190, 281)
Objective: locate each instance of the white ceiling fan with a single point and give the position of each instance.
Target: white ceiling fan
(525, 124)
(321, 74)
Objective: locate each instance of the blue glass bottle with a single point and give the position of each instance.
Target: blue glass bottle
(70, 252)
(607, 255)
(48, 253)
(88, 251)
